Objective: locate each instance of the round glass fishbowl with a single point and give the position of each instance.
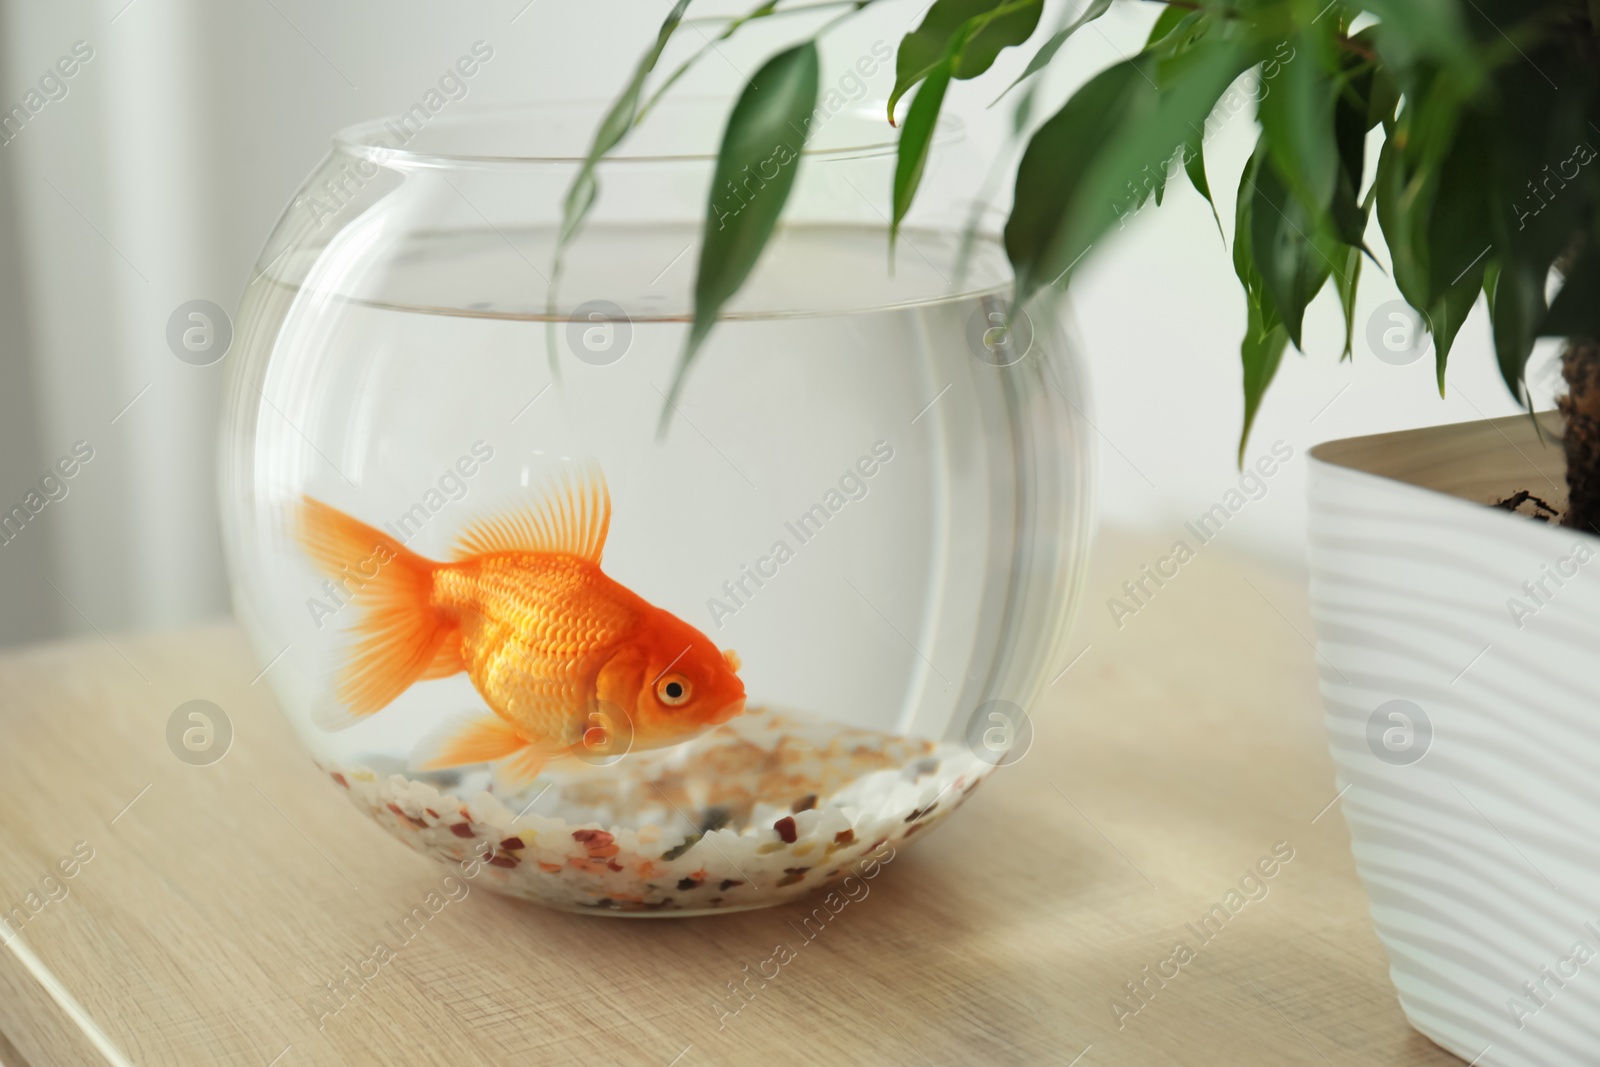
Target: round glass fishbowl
(616, 654)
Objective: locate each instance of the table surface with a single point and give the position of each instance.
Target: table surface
(1173, 754)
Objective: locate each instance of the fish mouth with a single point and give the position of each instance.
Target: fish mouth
(732, 710)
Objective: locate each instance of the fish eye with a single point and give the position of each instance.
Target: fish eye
(673, 690)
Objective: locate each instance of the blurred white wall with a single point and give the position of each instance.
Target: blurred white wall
(152, 175)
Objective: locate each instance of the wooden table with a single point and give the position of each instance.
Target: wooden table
(1170, 759)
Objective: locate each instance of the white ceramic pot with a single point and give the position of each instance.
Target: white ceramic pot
(1459, 649)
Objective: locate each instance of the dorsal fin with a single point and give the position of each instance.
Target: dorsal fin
(571, 516)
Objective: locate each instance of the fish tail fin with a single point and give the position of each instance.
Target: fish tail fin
(401, 638)
(483, 739)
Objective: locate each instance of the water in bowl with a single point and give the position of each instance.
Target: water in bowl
(875, 496)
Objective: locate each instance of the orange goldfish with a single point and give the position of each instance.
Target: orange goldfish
(569, 661)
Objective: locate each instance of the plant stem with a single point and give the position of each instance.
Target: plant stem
(769, 9)
(1190, 5)
(1355, 48)
(856, 5)
(759, 11)
(798, 9)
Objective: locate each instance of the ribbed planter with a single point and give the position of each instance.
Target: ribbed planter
(1459, 649)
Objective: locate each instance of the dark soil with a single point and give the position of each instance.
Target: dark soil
(1525, 503)
(1580, 366)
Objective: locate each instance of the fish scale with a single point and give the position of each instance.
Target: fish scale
(535, 630)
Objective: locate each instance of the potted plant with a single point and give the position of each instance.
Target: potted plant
(1454, 633)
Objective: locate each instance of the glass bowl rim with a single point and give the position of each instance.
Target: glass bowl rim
(364, 139)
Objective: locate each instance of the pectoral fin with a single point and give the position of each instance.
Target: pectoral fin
(607, 721)
(483, 739)
(477, 739)
(516, 772)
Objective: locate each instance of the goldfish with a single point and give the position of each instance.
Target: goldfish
(569, 661)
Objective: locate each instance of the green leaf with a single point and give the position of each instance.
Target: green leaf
(925, 47)
(1518, 309)
(1448, 315)
(1460, 223)
(1170, 19)
(1297, 119)
(1056, 162)
(1009, 24)
(1399, 218)
(1047, 51)
(1194, 165)
(756, 167)
(1539, 171)
(1072, 180)
(1461, 232)
(1430, 248)
(1347, 276)
(915, 141)
(1244, 264)
(1261, 350)
(967, 33)
(1289, 245)
(1176, 54)
(1347, 280)
(1260, 353)
(1540, 205)
(1575, 312)
(1264, 316)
